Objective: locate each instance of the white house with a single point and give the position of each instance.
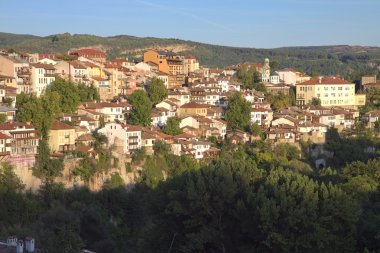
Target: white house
(123, 135)
(42, 75)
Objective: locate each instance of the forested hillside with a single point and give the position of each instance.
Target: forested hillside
(250, 199)
(348, 61)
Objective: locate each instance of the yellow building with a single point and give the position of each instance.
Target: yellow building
(93, 69)
(61, 137)
(332, 91)
(190, 64)
(193, 109)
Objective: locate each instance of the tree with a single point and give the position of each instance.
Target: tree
(8, 101)
(3, 118)
(9, 182)
(274, 65)
(250, 78)
(116, 181)
(68, 93)
(88, 93)
(256, 130)
(157, 91)
(172, 126)
(40, 111)
(315, 101)
(279, 101)
(140, 114)
(238, 114)
(46, 169)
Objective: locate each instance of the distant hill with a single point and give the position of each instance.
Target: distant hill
(348, 61)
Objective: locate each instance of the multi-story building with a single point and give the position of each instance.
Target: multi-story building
(102, 84)
(167, 62)
(292, 76)
(123, 136)
(110, 111)
(261, 116)
(74, 71)
(10, 70)
(331, 91)
(42, 75)
(190, 65)
(5, 145)
(367, 79)
(193, 109)
(24, 138)
(61, 137)
(369, 82)
(182, 96)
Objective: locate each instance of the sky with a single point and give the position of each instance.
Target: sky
(243, 23)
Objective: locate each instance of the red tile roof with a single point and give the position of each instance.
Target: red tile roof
(77, 64)
(195, 105)
(15, 125)
(88, 51)
(42, 66)
(325, 80)
(184, 136)
(57, 125)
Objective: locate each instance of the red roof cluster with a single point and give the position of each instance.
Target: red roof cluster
(88, 51)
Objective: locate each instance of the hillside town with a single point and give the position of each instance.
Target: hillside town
(196, 100)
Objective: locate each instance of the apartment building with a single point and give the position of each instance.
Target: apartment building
(42, 75)
(123, 136)
(332, 91)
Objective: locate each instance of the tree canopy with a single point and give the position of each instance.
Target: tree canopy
(172, 126)
(238, 114)
(157, 90)
(140, 114)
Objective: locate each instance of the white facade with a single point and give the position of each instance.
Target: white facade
(41, 78)
(224, 84)
(129, 137)
(275, 79)
(113, 113)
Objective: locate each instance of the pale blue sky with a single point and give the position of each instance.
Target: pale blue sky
(247, 23)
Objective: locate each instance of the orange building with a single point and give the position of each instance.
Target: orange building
(169, 63)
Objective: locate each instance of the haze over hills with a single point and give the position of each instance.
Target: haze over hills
(348, 61)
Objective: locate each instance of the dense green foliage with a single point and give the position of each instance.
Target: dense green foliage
(3, 118)
(40, 111)
(61, 96)
(348, 61)
(172, 126)
(250, 199)
(280, 101)
(140, 114)
(250, 79)
(157, 91)
(47, 169)
(88, 93)
(238, 113)
(68, 93)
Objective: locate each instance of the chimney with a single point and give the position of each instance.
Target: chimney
(20, 246)
(29, 244)
(320, 79)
